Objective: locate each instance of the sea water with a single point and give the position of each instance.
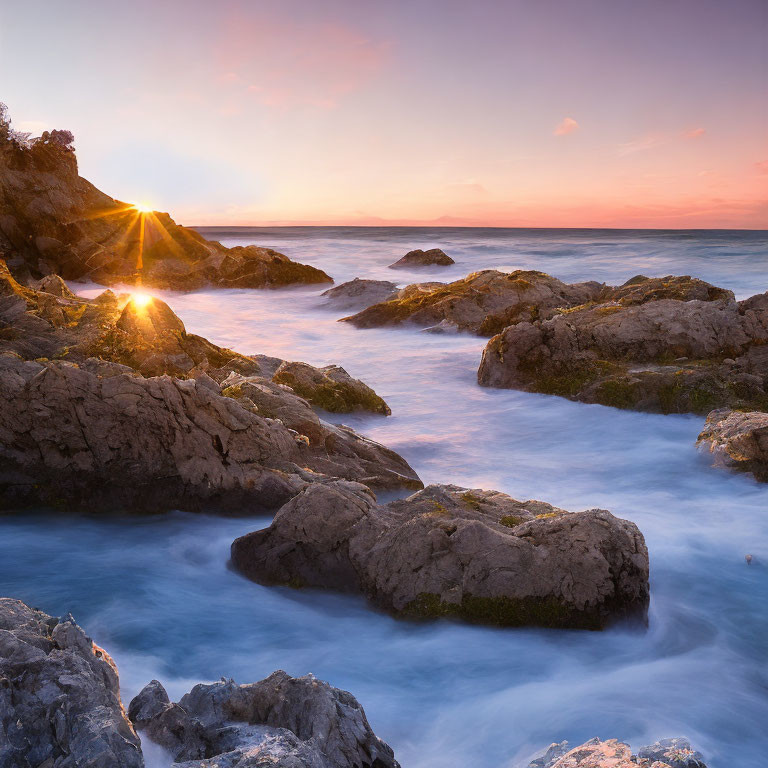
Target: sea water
(159, 594)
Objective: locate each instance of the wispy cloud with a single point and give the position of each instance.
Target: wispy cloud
(569, 125)
(641, 144)
(694, 133)
(762, 167)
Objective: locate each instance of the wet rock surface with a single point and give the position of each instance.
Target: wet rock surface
(419, 258)
(359, 293)
(59, 696)
(738, 440)
(665, 355)
(452, 552)
(667, 753)
(287, 721)
(483, 302)
(52, 221)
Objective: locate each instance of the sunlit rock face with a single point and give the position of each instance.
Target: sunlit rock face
(59, 697)
(52, 221)
(446, 551)
(665, 354)
(667, 753)
(738, 440)
(296, 722)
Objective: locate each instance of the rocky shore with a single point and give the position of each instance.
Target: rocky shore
(476, 555)
(60, 706)
(668, 355)
(214, 429)
(738, 440)
(52, 221)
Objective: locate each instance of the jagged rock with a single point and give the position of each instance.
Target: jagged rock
(738, 440)
(419, 258)
(297, 722)
(330, 388)
(62, 442)
(359, 293)
(54, 221)
(667, 753)
(447, 551)
(483, 302)
(59, 696)
(55, 285)
(664, 355)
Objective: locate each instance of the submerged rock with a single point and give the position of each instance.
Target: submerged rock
(359, 293)
(483, 302)
(59, 696)
(419, 258)
(667, 753)
(54, 221)
(330, 388)
(297, 722)
(664, 355)
(738, 440)
(447, 551)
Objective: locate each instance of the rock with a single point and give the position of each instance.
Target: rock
(54, 221)
(330, 388)
(448, 551)
(624, 355)
(738, 440)
(419, 258)
(62, 443)
(668, 753)
(359, 293)
(483, 302)
(59, 696)
(442, 327)
(55, 285)
(297, 722)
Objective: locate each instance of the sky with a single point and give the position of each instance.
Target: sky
(546, 113)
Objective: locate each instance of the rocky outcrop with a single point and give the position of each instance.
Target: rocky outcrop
(330, 388)
(297, 722)
(483, 302)
(63, 442)
(359, 293)
(419, 258)
(738, 440)
(664, 355)
(667, 753)
(446, 551)
(52, 221)
(59, 696)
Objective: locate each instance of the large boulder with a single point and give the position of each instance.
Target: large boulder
(54, 221)
(667, 753)
(738, 440)
(483, 302)
(359, 293)
(418, 258)
(296, 722)
(330, 388)
(663, 355)
(63, 442)
(59, 696)
(446, 551)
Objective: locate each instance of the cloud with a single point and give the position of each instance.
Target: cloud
(569, 125)
(467, 185)
(641, 144)
(284, 62)
(762, 167)
(694, 133)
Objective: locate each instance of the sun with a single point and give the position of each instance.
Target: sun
(140, 300)
(142, 208)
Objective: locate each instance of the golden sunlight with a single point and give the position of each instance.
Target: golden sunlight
(140, 300)
(142, 208)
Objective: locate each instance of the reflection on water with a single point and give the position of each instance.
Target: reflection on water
(157, 592)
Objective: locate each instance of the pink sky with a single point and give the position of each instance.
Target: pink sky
(576, 113)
